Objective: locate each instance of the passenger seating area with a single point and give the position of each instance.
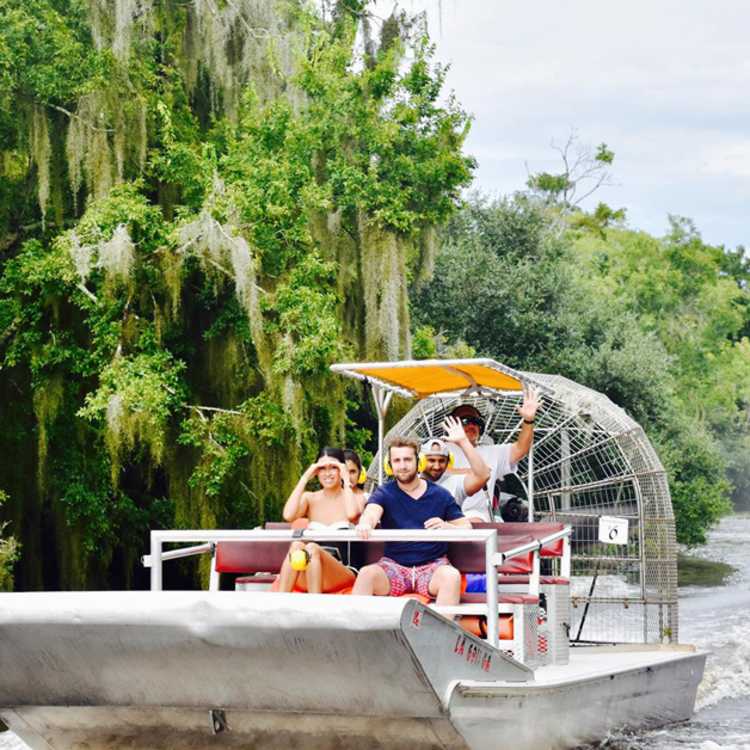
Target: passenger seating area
(529, 637)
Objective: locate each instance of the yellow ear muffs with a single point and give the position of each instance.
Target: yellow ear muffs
(362, 478)
(422, 462)
(387, 467)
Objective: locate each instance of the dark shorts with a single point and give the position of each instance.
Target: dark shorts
(410, 579)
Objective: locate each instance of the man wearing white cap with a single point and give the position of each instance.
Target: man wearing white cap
(437, 456)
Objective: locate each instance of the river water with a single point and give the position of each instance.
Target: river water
(716, 618)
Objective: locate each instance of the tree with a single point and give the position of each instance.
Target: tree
(8, 554)
(207, 204)
(585, 170)
(651, 323)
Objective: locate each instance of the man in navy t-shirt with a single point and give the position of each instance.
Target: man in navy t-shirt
(410, 502)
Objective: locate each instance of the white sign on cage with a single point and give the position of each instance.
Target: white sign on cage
(613, 530)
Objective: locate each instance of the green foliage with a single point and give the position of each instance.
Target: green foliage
(584, 171)
(8, 555)
(44, 51)
(698, 483)
(427, 344)
(511, 307)
(136, 399)
(599, 219)
(303, 312)
(551, 185)
(680, 290)
(197, 219)
(655, 324)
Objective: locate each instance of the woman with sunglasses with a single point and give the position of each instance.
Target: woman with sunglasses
(333, 506)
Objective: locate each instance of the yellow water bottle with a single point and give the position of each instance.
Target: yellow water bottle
(300, 559)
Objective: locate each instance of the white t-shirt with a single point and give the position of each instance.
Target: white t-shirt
(497, 457)
(454, 483)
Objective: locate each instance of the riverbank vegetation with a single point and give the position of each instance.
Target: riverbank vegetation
(205, 204)
(658, 324)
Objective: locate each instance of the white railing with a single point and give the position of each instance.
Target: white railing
(204, 542)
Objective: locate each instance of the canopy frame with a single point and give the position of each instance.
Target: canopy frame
(382, 390)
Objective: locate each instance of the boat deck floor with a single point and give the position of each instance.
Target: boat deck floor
(595, 662)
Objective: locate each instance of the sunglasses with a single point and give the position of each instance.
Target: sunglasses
(472, 420)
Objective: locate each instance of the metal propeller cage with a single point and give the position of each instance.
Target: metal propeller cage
(589, 459)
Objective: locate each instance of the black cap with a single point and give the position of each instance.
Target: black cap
(468, 414)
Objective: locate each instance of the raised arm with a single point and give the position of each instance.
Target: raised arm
(527, 410)
(479, 473)
(296, 505)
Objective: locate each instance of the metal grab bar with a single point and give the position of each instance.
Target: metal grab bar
(489, 536)
(533, 545)
(493, 559)
(174, 554)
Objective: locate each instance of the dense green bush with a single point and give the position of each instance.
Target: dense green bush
(658, 325)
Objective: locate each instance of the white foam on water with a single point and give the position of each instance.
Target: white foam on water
(727, 672)
(9, 741)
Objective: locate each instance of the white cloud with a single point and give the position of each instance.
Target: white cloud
(665, 84)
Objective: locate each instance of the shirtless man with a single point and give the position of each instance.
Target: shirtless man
(410, 502)
(333, 506)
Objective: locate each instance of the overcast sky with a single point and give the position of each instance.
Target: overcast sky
(665, 84)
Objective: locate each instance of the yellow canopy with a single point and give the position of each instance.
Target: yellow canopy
(429, 377)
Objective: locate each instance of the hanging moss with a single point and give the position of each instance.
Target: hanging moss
(48, 399)
(41, 151)
(172, 271)
(222, 254)
(238, 43)
(427, 254)
(254, 201)
(117, 256)
(385, 292)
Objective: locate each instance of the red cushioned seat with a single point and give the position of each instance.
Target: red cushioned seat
(250, 557)
(469, 557)
(269, 579)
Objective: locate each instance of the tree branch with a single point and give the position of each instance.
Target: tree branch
(88, 292)
(78, 117)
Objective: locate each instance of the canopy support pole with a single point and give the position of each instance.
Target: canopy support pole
(382, 399)
(530, 484)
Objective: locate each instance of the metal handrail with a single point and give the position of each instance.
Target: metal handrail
(209, 538)
(489, 536)
(534, 544)
(175, 554)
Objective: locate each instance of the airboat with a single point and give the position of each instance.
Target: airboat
(579, 637)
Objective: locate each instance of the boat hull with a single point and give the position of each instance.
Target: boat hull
(602, 689)
(203, 670)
